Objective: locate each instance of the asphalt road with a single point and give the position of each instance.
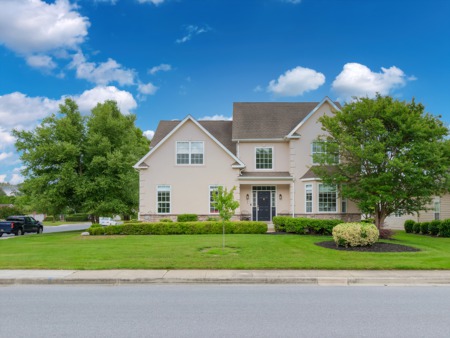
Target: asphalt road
(60, 228)
(224, 311)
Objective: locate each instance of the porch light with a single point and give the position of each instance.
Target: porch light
(280, 197)
(247, 197)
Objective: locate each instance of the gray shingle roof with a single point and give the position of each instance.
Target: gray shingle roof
(221, 130)
(310, 173)
(268, 120)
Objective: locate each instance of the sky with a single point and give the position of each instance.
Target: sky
(165, 59)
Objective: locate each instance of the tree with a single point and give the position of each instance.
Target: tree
(393, 156)
(225, 203)
(53, 157)
(113, 145)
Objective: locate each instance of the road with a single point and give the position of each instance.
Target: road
(223, 311)
(60, 228)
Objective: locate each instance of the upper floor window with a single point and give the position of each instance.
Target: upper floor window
(264, 158)
(320, 152)
(190, 152)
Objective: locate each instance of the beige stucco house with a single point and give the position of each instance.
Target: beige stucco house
(265, 152)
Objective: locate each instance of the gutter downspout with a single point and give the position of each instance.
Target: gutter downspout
(293, 197)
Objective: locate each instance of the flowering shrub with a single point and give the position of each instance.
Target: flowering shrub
(355, 234)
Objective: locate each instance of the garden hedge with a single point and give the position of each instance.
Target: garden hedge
(303, 225)
(409, 226)
(433, 228)
(181, 228)
(187, 218)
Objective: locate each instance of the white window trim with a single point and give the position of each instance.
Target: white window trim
(312, 198)
(170, 201)
(209, 198)
(318, 201)
(273, 158)
(189, 164)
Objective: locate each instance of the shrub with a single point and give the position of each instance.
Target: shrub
(9, 211)
(409, 226)
(168, 220)
(314, 226)
(49, 219)
(444, 228)
(424, 227)
(96, 225)
(355, 234)
(433, 228)
(212, 219)
(416, 228)
(279, 223)
(187, 218)
(181, 228)
(368, 220)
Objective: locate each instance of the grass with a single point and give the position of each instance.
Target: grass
(60, 223)
(72, 251)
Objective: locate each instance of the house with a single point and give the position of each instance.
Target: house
(265, 152)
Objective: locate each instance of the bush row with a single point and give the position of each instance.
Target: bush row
(181, 228)
(433, 228)
(304, 226)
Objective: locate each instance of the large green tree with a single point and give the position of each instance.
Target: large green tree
(394, 157)
(79, 163)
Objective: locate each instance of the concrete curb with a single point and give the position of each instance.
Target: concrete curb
(299, 277)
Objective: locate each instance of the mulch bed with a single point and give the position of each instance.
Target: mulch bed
(377, 247)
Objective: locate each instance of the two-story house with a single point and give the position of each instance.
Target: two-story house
(265, 152)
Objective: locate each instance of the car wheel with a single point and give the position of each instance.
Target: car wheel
(40, 231)
(19, 232)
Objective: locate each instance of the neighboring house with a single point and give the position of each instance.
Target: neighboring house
(439, 209)
(265, 152)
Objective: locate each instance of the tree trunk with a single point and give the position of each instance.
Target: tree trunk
(380, 216)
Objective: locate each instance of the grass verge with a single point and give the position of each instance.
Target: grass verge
(72, 251)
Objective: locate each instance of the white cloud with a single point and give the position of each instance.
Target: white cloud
(102, 73)
(163, 67)
(89, 99)
(41, 61)
(155, 2)
(112, 2)
(6, 139)
(147, 89)
(20, 111)
(149, 134)
(4, 156)
(358, 80)
(216, 118)
(35, 26)
(191, 31)
(296, 81)
(258, 89)
(2, 178)
(16, 179)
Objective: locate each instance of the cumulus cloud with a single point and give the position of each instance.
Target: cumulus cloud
(163, 67)
(296, 81)
(5, 155)
(102, 73)
(147, 89)
(16, 179)
(215, 118)
(2, 178)
(35, 26)
(155, 2)
(41, 61)
(89, 99)
(191, 31)
(358, 80)
(6, 139)
(149, 134)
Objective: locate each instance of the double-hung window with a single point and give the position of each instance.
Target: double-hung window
(308, 198)
(190, 152)
(320, 152)
(327, 198)
(163, 199)
(212, 204)
(264, 158)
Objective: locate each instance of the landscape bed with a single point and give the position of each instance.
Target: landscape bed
(73, 251)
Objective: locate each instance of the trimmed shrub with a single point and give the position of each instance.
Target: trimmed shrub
(312, 226)
(416, 228)
(181, 228)
(167, 220)
(368, 220)
(444, 228)
(213, 219)
(433, 228)
(187, 218)
(96, 225)
(409, 226)
(424, 227)
(355, 234)
(279, 223)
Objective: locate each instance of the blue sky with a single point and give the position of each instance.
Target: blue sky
(164, 59)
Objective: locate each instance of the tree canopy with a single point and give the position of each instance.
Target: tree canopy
(78, 163)
(394, 157)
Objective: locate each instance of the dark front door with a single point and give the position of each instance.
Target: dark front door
(263, 206)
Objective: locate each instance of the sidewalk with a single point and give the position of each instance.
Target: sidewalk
(303, 277)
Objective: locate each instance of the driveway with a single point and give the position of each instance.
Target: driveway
(60, 228)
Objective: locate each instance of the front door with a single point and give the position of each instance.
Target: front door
(263, 206)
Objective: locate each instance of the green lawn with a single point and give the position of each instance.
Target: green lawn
(72, 251)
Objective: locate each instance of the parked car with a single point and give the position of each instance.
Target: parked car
(19, 225)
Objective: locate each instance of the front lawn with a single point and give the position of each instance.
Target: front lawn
(72, 251)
